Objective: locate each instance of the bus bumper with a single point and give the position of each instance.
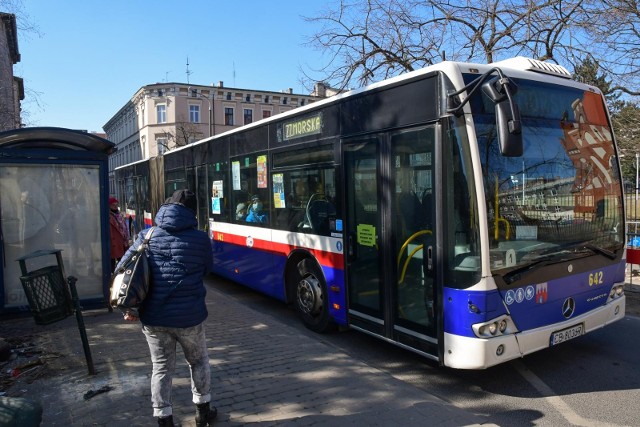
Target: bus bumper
(480, 353)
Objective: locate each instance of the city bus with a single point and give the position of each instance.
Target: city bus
(470, 213)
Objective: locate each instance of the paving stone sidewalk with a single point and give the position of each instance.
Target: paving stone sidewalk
(264, 372)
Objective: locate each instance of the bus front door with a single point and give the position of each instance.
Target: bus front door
(364, 240)
(391, 237)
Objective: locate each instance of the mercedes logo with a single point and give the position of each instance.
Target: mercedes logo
(568, 307)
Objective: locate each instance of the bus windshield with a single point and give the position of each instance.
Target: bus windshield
(562, 199)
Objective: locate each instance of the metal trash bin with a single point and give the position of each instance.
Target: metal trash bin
(46, 289)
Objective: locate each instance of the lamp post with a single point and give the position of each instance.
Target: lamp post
(211, 124)
(637, 157)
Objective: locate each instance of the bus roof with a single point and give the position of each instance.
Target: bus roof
(520, 67)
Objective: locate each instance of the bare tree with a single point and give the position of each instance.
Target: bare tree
(369, 40)
(182, 134)
(613, 27)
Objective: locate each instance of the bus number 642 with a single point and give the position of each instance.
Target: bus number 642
(595, 278)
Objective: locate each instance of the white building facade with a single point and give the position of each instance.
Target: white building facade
(163, 116)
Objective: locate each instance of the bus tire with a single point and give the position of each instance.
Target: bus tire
(310, 299)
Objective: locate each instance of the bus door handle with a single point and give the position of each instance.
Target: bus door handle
(430, 258)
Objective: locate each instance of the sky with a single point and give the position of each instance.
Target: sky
(88, 58)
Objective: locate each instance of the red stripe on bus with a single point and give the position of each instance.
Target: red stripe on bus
(325, 258)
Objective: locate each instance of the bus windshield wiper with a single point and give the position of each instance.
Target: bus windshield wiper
(525, 270)
(600, 250)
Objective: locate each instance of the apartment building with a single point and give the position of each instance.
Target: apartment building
(11, 87)
(163, 116)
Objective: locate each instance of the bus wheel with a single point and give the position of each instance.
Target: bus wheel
(311, 297)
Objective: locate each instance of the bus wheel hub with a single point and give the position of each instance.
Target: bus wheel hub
(310, 295)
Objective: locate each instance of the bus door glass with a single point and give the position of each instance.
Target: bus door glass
(364, 256)
(413, 232)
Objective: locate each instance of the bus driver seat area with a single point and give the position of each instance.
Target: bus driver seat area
(319, 210)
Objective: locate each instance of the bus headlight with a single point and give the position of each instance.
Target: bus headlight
(495, 327)
(616, 292)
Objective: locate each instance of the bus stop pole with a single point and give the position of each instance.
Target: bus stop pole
(83, 333)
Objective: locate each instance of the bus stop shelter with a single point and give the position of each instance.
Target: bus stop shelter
(54, 190)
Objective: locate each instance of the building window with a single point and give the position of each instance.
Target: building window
(284, 100)
(247, 97)
(248, 116)
(266, 99)
(266, 113)
(302, 102)
(228, 116)
(162, 145)
(228, 96)
(160, 92)
(161, 109)
(194, 113)
(194, 93)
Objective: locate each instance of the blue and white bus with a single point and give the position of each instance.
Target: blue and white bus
(470, 213)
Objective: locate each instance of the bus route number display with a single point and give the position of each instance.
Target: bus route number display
(303, 127)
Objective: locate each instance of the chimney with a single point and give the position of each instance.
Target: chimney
(290, 90)
(320, 90)
(220, 83)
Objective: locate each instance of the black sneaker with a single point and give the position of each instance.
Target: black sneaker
(205, 414)
(168, 421)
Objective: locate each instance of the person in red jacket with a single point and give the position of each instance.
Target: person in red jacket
(118, 231)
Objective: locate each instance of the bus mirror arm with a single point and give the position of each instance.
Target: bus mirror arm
(500, 89)
(455, 105)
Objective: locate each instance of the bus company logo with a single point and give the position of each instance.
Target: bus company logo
(541, 293)
(568, 307)
(249, 241)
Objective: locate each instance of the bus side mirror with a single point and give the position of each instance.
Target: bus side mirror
(508, 124)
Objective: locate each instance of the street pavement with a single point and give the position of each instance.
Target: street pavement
(264, 373)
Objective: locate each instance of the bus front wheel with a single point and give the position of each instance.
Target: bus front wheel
(311, 297)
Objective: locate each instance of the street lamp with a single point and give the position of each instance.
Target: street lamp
(211, 124)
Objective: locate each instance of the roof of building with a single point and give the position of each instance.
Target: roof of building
(11, 29)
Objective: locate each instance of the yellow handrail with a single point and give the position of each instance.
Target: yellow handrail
(413, 252)
(499, 218)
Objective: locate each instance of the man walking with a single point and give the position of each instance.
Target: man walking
(174, 310)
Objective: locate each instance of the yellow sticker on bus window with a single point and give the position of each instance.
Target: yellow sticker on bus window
(366, 235)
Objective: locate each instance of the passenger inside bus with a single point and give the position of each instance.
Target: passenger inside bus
(256, 211)
(242, 198)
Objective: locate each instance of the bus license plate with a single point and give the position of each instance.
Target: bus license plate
(567, 334)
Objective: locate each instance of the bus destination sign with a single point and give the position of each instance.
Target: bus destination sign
(303, 127)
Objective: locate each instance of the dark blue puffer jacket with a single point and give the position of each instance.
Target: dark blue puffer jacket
(179, 257)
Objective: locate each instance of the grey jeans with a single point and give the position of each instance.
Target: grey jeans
(162, 345)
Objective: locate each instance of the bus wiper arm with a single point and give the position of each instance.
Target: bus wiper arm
(600, 250)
